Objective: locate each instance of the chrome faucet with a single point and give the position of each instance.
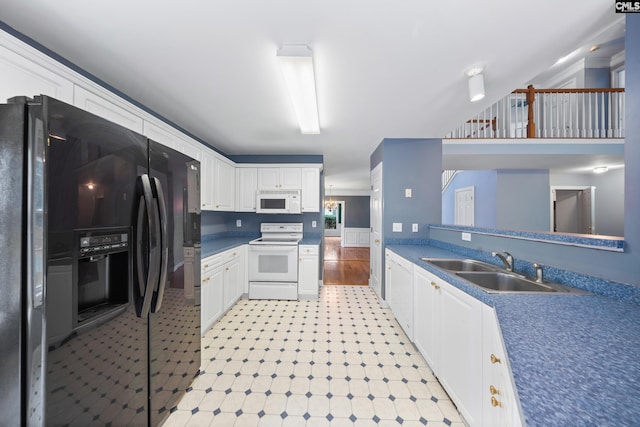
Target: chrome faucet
(538, 268)
(506, 260)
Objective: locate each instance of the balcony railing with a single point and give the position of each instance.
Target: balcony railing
(550, 113)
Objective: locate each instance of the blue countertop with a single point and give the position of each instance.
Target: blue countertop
(211, 247)
(575, 358)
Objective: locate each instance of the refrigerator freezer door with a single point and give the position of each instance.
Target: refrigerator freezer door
(174, 325)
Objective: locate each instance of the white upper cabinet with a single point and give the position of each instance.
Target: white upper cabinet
(107, 109)
(207, 173)
(22, 77)
(310, 189)
(224, 185)
(246, 187)
(271, 178)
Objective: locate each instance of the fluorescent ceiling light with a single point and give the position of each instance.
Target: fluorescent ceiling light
(476, 86)
(296, 63)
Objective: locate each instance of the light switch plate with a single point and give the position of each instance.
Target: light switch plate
(407, 192)
(238, 223)
(397, 227)
(414, 228)
(314, 224)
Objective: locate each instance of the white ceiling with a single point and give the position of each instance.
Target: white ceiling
(383, 68)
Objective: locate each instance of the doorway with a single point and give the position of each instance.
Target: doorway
(573, 210)
(345, 265)
(334, 219)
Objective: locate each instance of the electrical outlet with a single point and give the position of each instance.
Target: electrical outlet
(314, 224)
(397, 227)
(466, 237)
(238, 223)
(414, 228)
(407, 192)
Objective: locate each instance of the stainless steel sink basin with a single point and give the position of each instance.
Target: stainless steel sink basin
(453, 264)
(501, 282)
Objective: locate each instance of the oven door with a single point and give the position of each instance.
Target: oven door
(273, 263)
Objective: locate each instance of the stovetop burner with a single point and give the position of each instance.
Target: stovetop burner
(279, 234)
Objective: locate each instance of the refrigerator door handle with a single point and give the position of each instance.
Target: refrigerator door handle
(164, 246)
(146, 285)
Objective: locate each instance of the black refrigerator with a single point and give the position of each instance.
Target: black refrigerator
(99, 270)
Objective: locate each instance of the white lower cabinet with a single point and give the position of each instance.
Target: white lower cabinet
(459, 338)
(399, 290)
(500, 404)
(223, 281)
(308, 266)
(234, 263)
(211, 291)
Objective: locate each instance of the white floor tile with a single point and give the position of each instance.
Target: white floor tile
(339, 361)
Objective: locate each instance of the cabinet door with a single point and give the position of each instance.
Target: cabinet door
(400, 288)
(268, 178)
(104, 108)
(500, 405)
(246, 187)
(290, 178)
(224, 180)
(22, 77)
(460, 364)
(308, 270)
(232, 283)
(310, 190)
(426, 315)
(206, 186)
(211, 297)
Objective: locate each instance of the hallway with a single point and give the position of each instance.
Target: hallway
(345, 266)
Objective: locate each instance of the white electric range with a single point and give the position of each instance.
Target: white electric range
(273, 262)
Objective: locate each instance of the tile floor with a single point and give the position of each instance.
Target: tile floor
(341, 360)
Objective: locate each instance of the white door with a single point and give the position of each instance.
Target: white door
(464, 211)
(588, 211)
(375, 252)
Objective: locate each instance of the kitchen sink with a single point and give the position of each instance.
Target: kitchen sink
(502, 282)
(453, 264)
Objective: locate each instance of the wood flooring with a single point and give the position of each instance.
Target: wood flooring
(345, 266)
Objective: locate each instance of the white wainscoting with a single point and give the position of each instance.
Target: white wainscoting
(355, 237)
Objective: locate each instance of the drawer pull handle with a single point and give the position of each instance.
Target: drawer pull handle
(206, 265)
(495, 402)
(435, 285)
(495, 359)
(493, 390)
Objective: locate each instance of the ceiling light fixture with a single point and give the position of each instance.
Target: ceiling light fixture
(476, 84)
(296, 63)
(600, 169)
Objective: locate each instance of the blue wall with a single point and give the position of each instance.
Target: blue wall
(225, 222)
(523, 200)
(414, 164)
(357, 211)
(485, 185)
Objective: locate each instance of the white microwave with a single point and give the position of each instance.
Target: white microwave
(278, 201)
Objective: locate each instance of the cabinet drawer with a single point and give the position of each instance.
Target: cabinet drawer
(231, 254)
(309, 250)
(212, 262)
